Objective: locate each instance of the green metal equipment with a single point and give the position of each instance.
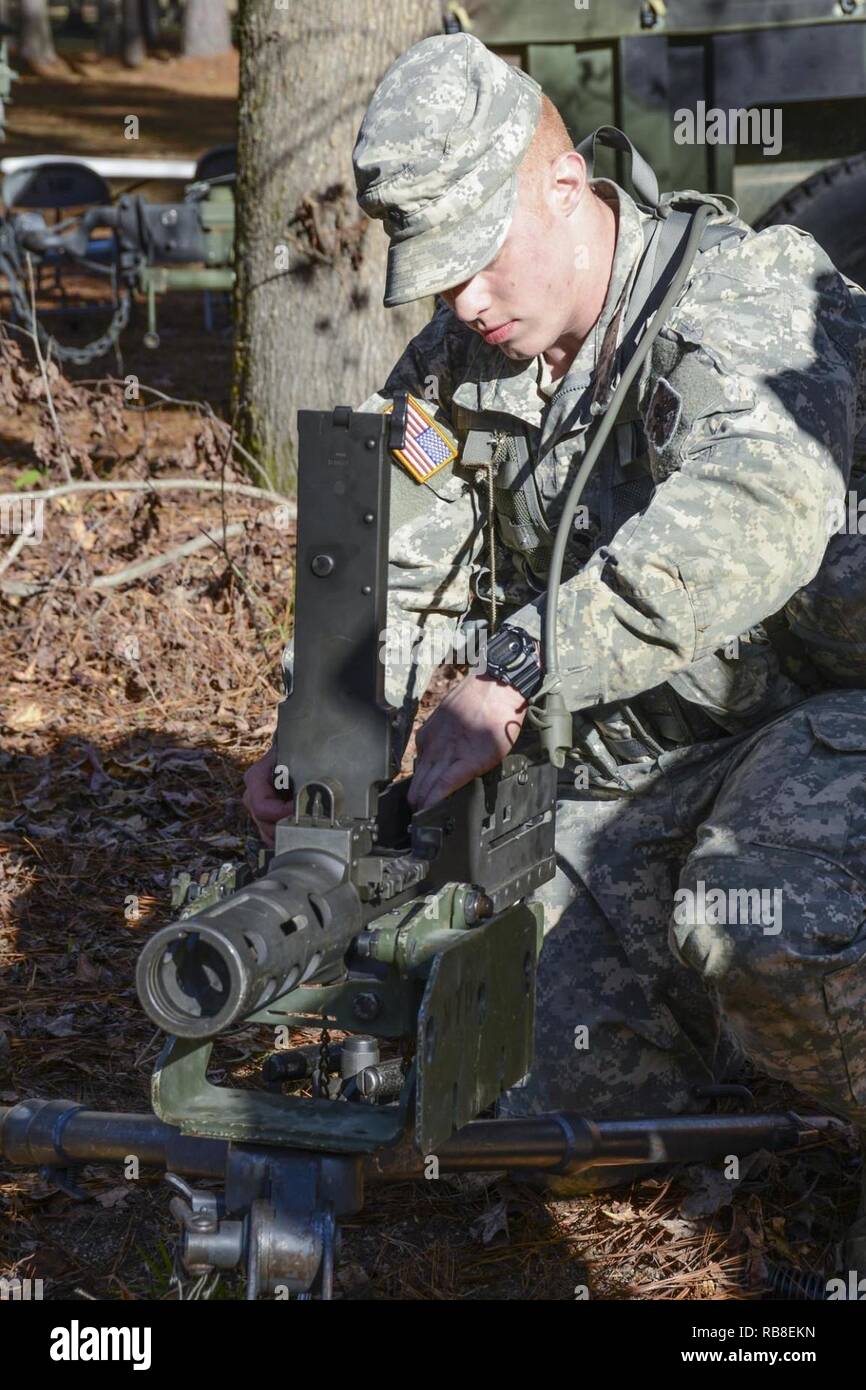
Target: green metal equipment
(634, 64)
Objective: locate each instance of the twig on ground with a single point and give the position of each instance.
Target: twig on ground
(14, 550)
(157, 485)
(27, 588)
(64, 452)
(156, 562)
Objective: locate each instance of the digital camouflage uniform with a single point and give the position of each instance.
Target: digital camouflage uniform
(703, 757)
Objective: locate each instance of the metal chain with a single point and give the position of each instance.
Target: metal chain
(324, 1068)
(80, 356)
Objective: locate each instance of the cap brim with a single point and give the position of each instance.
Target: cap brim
(451, 253)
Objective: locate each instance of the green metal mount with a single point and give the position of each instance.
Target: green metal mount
(217, 213)
(464, 993)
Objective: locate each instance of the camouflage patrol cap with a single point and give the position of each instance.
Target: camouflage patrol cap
(436, 158)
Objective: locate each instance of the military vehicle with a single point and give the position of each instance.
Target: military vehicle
(642, 64)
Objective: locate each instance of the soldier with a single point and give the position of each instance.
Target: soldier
(711, 832)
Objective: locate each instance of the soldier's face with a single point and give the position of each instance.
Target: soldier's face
(535, 290)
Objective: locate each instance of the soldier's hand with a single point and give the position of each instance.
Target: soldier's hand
(264, 804)
(471, 731)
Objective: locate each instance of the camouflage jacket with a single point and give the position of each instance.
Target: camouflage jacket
(706, 512)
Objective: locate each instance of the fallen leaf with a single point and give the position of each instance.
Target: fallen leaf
(710, 1193)
(80, 533)
(61, 1027)
(86, 971)
(775, 1232)
(27, 716)
(113, 1197)
(491, 1227)
(621, 1212)
(352, 1278)
(677, 1227)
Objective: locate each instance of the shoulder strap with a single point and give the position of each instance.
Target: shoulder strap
(666, 239)
(665, 236)
(643, 180)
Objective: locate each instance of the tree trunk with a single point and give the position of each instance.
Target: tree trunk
(110, 27)
(311, 329)
(134, 50)
(150, 22)
(35, 44)
(75, 22)
(206, 28)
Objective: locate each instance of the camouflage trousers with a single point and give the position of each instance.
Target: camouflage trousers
(717, 909)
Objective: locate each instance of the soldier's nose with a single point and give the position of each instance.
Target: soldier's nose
(466, 301)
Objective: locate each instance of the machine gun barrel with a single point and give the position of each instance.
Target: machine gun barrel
(199, 975)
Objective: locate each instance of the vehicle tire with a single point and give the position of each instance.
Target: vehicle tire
(831, 204)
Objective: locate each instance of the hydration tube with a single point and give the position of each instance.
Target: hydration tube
(552, 718)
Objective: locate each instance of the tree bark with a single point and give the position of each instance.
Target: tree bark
(311, 329)
(134, 48)
(75, 22)
(150, 22)
(110, 27)
(206, 29)
(35, 44)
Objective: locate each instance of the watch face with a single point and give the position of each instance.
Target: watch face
(513, 655)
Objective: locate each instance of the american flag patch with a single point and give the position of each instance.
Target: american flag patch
(426, 447)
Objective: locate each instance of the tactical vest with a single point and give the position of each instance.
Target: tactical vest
(527, 495)
(772, 669)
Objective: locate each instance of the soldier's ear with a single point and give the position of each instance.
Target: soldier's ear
(569, 180)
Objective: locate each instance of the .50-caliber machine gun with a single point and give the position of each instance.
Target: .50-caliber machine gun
(410, 933)
(141, 245)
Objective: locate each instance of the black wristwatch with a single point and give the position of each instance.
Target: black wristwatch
(512, 657)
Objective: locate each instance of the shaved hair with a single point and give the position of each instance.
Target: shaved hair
(551, 139)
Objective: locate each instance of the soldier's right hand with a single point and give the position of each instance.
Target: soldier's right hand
(264, 804)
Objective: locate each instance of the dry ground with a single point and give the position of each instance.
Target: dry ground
(128, 716)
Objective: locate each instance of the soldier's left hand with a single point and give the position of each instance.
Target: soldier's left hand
(471, 731)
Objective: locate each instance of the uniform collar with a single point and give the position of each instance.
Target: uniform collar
(494, 383)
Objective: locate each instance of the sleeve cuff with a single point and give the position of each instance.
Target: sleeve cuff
(581, 684)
